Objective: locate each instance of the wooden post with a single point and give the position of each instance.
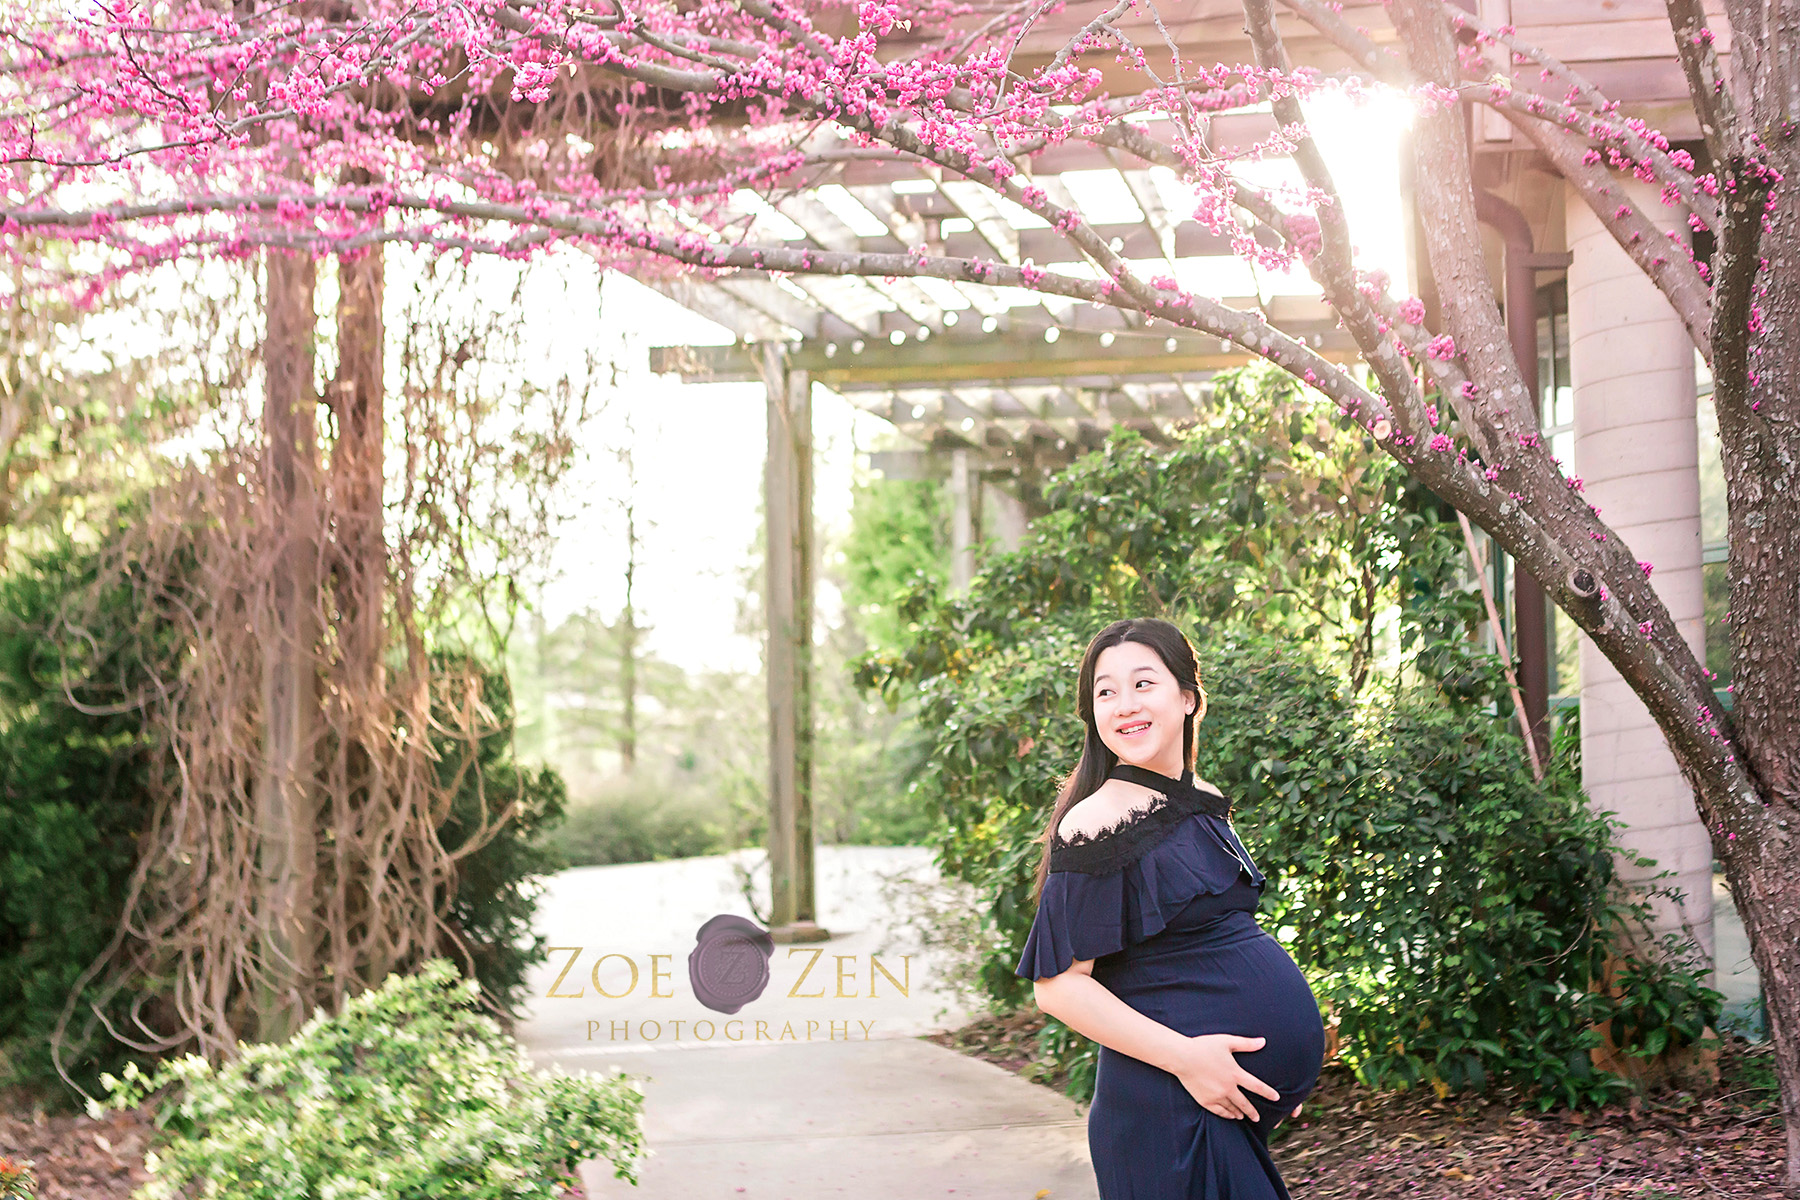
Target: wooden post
(286, 792)
(1011, 517)
(962, 519)
(788, 593)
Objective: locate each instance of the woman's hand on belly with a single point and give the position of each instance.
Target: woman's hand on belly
(1210, 1073)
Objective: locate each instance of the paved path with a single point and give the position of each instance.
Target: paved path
(817, 1088)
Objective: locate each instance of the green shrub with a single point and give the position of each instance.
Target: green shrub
(639, 818)
(497, 892)
(408, 1093)
(72, 799)
(1455, 914)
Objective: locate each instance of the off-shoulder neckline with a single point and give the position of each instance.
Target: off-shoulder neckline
(1112, 846)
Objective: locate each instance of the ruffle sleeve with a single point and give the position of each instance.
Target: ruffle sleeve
(1096, 908)
(1079, 916)
(1196, 860)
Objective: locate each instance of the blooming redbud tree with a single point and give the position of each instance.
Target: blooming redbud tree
(623, 128)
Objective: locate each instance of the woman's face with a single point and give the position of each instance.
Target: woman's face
(1139, 709)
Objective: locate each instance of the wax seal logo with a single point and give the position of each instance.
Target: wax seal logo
(729, 964)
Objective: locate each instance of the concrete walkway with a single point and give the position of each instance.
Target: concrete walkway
(819, 1087)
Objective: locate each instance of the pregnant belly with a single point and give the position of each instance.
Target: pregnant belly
(1244, 984)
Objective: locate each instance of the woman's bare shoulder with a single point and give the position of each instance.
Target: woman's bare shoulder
(1103, 808)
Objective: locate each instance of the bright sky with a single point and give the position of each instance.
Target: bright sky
(697, 450)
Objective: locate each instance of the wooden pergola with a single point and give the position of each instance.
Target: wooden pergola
(1000, 386)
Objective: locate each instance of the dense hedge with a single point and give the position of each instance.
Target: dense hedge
(73, 784)
(1452, 913)
(72, 799)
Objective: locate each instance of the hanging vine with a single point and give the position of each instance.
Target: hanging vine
(412, 535)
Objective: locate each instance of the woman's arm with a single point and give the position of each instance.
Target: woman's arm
(1089, 1007)
(1204, 1064)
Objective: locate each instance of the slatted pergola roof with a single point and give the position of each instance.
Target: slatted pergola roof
(1025, 378)
(1018, 376)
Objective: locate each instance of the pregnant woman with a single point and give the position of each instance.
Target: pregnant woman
(1146, 941)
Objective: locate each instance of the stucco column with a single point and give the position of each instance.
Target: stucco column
(1637, 452)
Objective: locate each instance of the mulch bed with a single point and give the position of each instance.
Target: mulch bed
(1350, 1142)
(75, 1157)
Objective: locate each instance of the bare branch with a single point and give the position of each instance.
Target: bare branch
(1666, 260)
(1706, 82)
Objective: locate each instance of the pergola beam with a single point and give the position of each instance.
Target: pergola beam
(952, 359)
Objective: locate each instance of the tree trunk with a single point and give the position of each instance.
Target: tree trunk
(356, 466)
(1762, 487)
(356, 776)
(286, 789)
(628, 645)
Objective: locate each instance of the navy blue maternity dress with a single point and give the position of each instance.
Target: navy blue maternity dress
(1165, 904)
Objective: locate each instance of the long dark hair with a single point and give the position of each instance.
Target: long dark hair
(1096, 762)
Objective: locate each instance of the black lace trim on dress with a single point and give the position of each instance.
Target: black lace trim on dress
(1113, 847)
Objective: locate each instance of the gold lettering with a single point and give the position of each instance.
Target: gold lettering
(834, 1026)
(552, 994)
(795, 990)
(593, 1028)
(677, 1025)
(656, 975)
(613, 1033)
(787, 1032)
(841, 960)
(812, 1027)
(762, 1031)
(875, 965)
(734, 1037)
(595, 975)
(650, 1037)
(710, 1030)
(867, 1025)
